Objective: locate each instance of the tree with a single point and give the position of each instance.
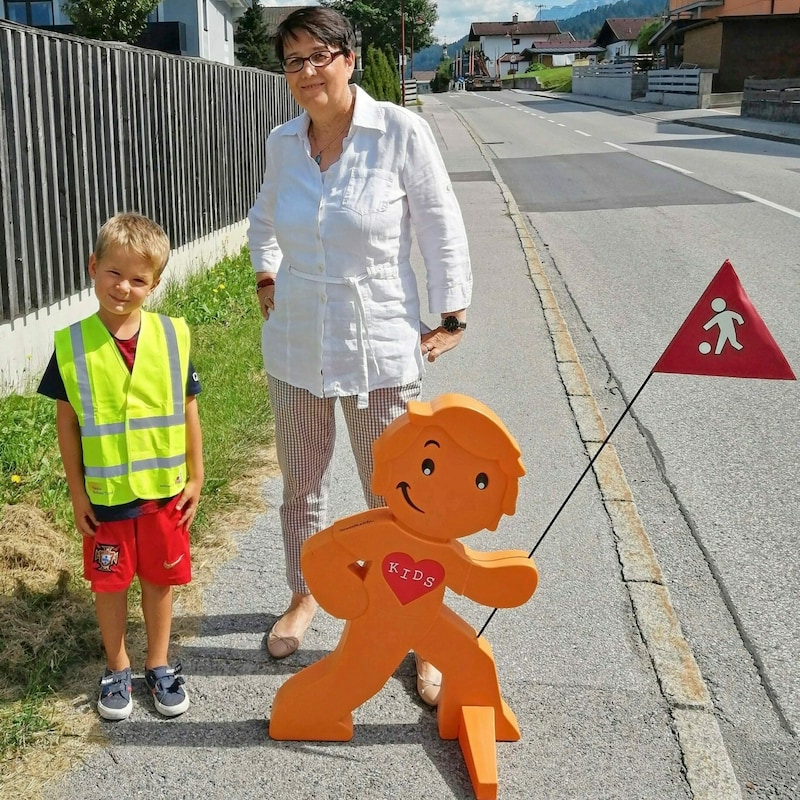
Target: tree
(646, 34)
(441, 80)
(109, 20)
(380, 80)
(254, 45)
(379, 21)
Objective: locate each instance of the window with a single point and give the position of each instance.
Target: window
(205, 15)
(30, 12)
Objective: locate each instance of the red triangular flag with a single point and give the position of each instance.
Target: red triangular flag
(725, 336)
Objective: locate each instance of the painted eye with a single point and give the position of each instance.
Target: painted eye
(481, 480)
(428, 466)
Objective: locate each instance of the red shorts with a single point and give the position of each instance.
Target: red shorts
(153, 546)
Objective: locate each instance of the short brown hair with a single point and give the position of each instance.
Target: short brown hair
(325, 24)
(136, 233)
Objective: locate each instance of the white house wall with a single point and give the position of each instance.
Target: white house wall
(208, 24)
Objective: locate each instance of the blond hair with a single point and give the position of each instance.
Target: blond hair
(137, 234)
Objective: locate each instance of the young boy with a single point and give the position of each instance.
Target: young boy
(129, 436)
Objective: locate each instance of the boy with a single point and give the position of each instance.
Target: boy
(129, 435)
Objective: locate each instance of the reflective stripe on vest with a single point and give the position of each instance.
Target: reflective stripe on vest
(142, 455)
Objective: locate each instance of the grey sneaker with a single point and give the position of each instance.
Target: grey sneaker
(115, 701)
(166, 686)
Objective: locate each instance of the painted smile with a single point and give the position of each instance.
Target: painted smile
(403, 487)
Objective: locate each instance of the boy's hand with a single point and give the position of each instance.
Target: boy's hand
(190, 497)
(85, 520)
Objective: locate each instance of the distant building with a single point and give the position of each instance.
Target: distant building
(503, 43)
(560, 54)
(201, 28)
(620, 36)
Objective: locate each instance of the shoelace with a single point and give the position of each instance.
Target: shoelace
(112, 685)
(172, 674)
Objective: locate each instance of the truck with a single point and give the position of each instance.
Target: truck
(477, 77)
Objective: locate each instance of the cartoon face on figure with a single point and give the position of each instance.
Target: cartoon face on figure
(447, 470)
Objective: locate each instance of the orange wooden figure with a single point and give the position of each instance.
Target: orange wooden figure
(447, 469)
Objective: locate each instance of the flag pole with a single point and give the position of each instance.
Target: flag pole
(577, 483)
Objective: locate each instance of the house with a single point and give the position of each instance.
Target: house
(503, 43)
(620, 36)
(201, 28)
(560, 54)
(736, 39)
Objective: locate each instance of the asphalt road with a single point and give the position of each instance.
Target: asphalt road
(633, 213)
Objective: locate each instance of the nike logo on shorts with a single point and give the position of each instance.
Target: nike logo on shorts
(174, 563)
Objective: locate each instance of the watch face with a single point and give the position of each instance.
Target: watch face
(450, 324)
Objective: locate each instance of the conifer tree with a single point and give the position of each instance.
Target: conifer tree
(254, 45)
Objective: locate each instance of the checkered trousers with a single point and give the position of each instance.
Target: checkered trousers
(305, 430)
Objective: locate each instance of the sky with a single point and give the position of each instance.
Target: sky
(455, 16)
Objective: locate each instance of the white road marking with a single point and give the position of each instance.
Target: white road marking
(769, 203)
(672, 166)
(619, 147)
(582, 133)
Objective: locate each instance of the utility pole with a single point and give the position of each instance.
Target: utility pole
(539, 12)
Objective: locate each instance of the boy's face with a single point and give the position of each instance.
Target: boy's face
(123, 280)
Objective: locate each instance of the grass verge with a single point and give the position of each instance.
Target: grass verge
(556, 79)
(50, 647)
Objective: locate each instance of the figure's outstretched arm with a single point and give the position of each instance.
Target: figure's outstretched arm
(504, 579)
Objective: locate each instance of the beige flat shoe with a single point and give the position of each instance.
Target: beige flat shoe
(281, 646)
(429, 688)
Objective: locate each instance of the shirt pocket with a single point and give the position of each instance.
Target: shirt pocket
(368, 191)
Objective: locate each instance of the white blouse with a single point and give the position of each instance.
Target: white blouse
(347, 311)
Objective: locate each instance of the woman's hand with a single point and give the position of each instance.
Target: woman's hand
(266, 300)
(436, 342)
(265, 289)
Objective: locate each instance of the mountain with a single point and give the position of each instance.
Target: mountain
(572, 10)
(587, 24)
(429, 58)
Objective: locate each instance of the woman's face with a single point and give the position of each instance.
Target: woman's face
(318, 89)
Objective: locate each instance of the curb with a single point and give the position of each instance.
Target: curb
(709, 772)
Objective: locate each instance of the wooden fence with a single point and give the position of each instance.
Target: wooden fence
(777, 100)
(89, 128)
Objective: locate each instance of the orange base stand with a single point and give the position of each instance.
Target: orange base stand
(477, 739)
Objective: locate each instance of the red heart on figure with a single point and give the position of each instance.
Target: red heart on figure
(410, 579)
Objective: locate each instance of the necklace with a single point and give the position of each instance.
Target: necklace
(321, 150)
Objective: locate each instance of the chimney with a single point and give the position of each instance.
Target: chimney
(515, 18)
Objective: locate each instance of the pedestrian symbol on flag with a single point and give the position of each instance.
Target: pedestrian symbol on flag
(725, 336)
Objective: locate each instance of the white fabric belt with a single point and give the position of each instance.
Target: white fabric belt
(364, 344)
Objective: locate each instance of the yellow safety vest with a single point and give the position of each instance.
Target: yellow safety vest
(133, 424)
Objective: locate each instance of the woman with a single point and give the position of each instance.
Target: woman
(330, 242)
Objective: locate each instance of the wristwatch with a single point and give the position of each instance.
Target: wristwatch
(452, 324)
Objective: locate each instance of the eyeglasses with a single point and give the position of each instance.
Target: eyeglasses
(319, 59)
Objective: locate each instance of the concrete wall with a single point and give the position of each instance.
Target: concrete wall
(621, 88)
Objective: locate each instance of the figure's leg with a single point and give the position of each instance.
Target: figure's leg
(365, 425)
(304, 438)
(469, 675)
(317, 703)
